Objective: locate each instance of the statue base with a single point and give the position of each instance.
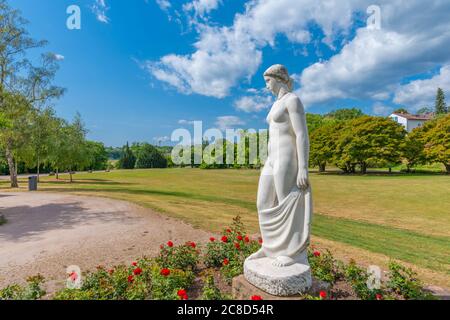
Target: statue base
(243, 290)
(278, 281)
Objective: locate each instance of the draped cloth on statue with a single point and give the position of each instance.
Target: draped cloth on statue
(285, 229)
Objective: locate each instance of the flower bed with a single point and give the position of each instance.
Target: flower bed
(192, 271)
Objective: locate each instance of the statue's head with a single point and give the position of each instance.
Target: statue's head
(277, 76)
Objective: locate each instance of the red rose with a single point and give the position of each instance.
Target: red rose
(237, 246)
(130, 279)
(226, 262)
(379, 296)
(224, 239)
(240, 238)
(260, 240)
(170, 244)
(185, 297)
(181, 293)
(212, 239)
(247, 239)
(256, 298)
(134, 264)
(323, 294)
(229, 230)
(137, 271)
(192, 244)
(165, 272)
(111, 271)
(316, 254)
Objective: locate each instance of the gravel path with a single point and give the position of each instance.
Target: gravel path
(46, 233)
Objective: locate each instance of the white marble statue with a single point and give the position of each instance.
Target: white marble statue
(284, 202)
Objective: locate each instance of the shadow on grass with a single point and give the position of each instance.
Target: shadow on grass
(86, 182)
(378, 174)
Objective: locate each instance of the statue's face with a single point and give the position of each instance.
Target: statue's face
(272, 84)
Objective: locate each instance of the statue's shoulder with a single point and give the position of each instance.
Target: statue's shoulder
(294, 104)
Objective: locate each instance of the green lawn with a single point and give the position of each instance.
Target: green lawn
(406, 217)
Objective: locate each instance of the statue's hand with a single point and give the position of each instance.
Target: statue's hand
(303, 179)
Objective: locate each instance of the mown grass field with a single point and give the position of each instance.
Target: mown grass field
(369, 218)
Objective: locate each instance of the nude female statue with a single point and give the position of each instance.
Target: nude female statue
(284, 195)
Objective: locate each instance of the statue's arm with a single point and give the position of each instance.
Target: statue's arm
(298, 120)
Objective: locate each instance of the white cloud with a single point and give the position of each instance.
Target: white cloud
(254, 103)
(229, 122)
(421, 93)
(59, 57)
(163, 4)
(99, 8)
(380, 109)
(414, 39)
(202, 7)
(226, 55)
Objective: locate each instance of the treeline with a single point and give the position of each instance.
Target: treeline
(373, 142)
(32, 138)
(141, 156)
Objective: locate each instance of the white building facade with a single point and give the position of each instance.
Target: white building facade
(409, 121)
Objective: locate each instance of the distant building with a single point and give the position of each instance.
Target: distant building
(411, 121)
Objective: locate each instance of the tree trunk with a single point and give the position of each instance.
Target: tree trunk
(447, 166)
(12, 168)
(322, 167)
(363, 168)
(38, 165)
(70, 174)
(57, 174)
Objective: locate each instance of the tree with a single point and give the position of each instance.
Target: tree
(69, 147)
(345, 114)
(128, 159)
(97, 155)
(43, 128)
(436, 138)
(401, 111)
(314, 121)
(424, 110)
(367, 140)
(19, 78)
(440, 106)
(413, 152)
(15, 134)
(149, 157)
(323, 145)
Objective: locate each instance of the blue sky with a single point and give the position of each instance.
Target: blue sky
(137, 70)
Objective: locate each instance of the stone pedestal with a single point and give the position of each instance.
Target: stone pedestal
(285, 281)
(243, 290)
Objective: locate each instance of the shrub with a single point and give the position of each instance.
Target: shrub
(184, 257)
(32, 291)
(403, 281)
(165, 285)
(358, 278)
(121, 283)
(211, 291)
(230, 250)
(323, 266)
